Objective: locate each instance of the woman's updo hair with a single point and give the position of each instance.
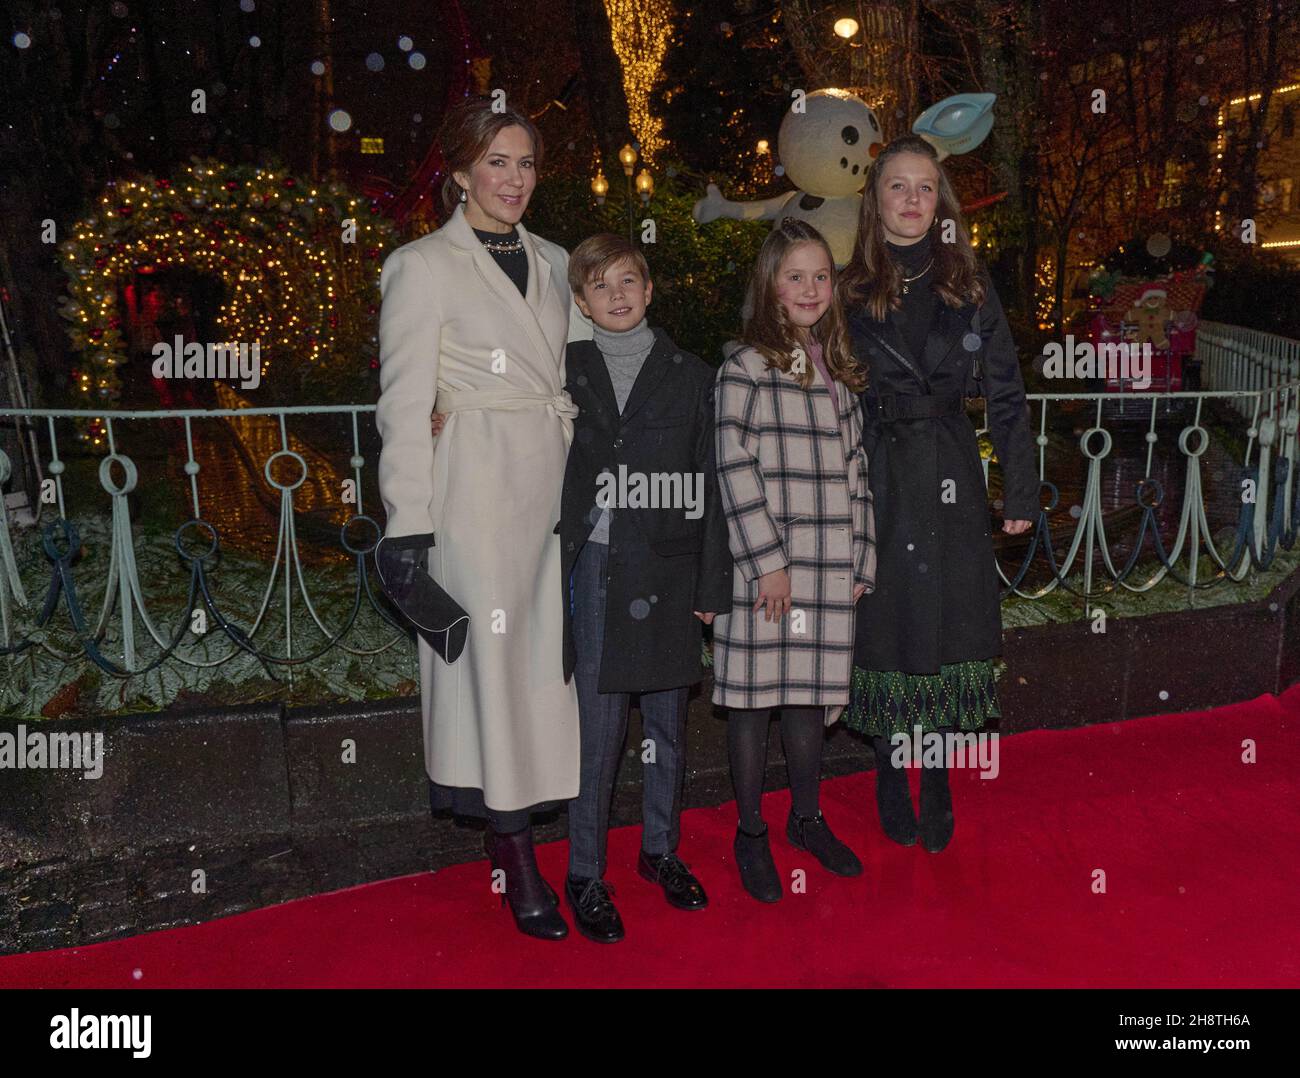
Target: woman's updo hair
(466, 135)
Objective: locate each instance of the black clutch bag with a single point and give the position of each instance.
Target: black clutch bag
(403, 566)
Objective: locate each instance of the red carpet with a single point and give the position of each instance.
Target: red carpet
(1198, 850)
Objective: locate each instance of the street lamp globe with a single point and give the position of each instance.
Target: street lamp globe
(627, 156)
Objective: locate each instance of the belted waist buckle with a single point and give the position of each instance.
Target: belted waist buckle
(893, 406)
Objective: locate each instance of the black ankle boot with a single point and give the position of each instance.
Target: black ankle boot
(936, 808)
(535, 905)
(593, 909)
(813, 834)
(757, 869)
(893, 798)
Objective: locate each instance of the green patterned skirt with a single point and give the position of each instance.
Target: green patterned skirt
(883, 703)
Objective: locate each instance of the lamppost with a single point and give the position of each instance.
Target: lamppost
(627, 158)
(600, 187)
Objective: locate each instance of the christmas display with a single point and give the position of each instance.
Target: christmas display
(299, 262)
(827, 142)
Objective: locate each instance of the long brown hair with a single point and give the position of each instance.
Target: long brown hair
(872, 277)
(466, 135)
(769, 329)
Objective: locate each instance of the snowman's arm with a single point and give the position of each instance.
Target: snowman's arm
(764, 209)
(713, 206)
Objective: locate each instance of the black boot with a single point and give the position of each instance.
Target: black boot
(936, 807)
(757, 869)
(533, 902)
(593, 909)
(813, 834)
(893, 798)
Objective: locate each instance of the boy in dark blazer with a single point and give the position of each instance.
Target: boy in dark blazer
(646, 566)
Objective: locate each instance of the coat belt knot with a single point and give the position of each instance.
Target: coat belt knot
(510, 398)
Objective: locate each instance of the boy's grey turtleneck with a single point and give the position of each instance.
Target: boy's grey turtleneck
(624, 353)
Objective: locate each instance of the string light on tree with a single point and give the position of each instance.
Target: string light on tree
(640, 31)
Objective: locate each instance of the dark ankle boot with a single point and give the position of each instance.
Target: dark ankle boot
(936, 808)
(812, 833)
(757, 869)
(533, 902)
(893, 798)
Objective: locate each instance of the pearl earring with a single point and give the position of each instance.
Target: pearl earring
(462, 196)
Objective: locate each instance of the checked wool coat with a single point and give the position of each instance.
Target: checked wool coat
(793, 475)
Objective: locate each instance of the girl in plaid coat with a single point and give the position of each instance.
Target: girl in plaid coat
(793, 477)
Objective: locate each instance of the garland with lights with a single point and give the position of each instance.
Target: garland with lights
(300, 280)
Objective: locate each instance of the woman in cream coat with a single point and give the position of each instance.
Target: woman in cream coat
(460, 331)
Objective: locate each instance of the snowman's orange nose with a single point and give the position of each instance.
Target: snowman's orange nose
(875, 149)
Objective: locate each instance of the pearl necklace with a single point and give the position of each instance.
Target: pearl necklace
(504, 247)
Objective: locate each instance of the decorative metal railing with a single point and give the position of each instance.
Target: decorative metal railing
(1250, 377)
(1254, 374)
(123, 596)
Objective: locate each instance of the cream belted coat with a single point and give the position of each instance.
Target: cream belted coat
(456, 335)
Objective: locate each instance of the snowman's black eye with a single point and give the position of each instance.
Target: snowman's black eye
(850, 135)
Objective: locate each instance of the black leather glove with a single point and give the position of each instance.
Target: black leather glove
(400, 559)
(403, 564)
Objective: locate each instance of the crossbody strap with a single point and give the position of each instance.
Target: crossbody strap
(898, 356)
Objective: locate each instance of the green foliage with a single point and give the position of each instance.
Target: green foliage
(699, 271)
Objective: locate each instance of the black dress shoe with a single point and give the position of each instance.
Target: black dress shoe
(681, 888)
(757, 869)
(813, 834)
(936, 808)
(534, 904)
(893, 798)
(593, 910)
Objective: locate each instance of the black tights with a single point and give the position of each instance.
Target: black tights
(509, 823)
(802, 732)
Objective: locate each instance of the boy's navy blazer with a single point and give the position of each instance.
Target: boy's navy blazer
(663, 565)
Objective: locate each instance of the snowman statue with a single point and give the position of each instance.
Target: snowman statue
(826, 143)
